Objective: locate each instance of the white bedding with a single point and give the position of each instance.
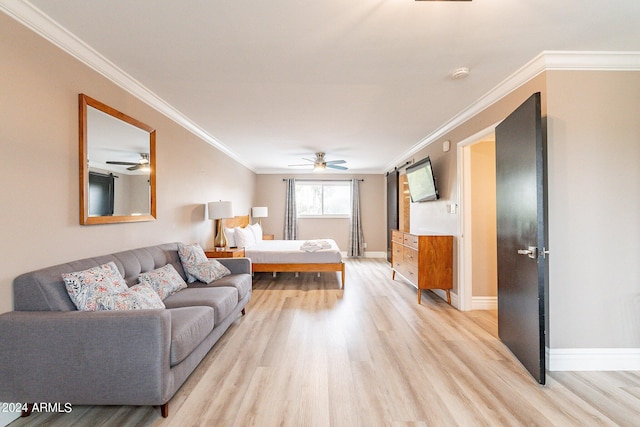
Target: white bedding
(289, 252)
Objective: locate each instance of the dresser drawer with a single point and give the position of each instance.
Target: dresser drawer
(397, 251)
(411, 240)
(410, 272)
(397, 236)
(410, 256)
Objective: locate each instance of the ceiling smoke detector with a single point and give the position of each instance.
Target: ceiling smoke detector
(460, 73)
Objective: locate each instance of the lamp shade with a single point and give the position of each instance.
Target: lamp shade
(260, 212)
(219, 210)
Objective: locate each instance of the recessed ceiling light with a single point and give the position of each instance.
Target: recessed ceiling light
(459, 73)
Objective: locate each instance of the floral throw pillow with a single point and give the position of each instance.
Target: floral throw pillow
(165, 280)
(190, 255)
(210, 270)
(138, 297)
(85, 287)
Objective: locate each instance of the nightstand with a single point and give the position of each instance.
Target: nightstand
(226, 253)
(268, 237)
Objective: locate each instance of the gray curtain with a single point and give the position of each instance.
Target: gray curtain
(356, 238)
(290, 213)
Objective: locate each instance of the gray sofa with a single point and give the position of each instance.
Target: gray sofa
(51, 352)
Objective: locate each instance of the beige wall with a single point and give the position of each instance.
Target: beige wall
(432, 217)
(270, 192)
(594, 215)
(39, 165)
(483, 219)
(594, 200)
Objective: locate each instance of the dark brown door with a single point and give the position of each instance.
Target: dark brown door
(521, 228)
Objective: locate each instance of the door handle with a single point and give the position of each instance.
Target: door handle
(531, 251)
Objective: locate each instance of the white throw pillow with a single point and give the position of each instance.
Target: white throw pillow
(245, 238)
(256, 229)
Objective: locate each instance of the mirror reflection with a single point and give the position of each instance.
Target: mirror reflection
(117, 166)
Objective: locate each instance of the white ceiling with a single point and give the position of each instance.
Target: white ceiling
(368, 81)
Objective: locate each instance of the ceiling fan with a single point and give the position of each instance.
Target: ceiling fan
(319, 163)
(143, 163)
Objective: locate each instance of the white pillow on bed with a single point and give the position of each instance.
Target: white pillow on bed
(256, 229)
(230, 233)
(244, 237)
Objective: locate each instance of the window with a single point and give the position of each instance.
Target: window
(323, 199)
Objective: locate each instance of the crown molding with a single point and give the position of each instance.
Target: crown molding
(544, 61)
(34, 19)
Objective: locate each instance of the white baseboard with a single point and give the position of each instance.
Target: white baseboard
(593, 359)
(484, 303)
(374, 254)
(368, 254)
(8, 417)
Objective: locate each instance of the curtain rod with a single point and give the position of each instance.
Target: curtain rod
(323, 180)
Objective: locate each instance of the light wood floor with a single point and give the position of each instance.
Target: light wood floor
(310, 354)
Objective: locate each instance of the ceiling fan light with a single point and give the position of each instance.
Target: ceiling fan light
(318, 167)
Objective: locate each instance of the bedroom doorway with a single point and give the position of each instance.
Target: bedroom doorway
(477, 287)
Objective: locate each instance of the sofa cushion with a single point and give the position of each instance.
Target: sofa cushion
(164, 280)
(86, 286)
(222, 299)
(242, 282)
(138, 297)
(189, 327)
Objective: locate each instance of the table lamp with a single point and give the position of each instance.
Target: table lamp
(219, 211)
(260, 212)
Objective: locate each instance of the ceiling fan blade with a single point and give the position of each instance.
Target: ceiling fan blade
(309, 160)
(336, 162)
(337, 167)
(303, 164)
(121, 163)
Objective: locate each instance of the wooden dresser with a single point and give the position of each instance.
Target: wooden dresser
(424, 260)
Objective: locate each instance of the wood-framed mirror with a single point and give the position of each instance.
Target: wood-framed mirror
(117, 166)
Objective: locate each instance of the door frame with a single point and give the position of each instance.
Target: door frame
(465, 255)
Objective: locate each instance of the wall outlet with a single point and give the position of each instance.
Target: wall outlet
(365, 245)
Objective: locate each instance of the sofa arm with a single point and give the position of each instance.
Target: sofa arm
(237, 265)
(107, 357)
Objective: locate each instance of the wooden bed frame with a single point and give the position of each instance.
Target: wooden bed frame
(243, 221)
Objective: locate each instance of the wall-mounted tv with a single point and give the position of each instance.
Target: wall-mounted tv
(422, 183)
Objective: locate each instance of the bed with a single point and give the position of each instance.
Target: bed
(278, 256)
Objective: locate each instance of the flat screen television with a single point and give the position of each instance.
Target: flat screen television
(422, 183)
